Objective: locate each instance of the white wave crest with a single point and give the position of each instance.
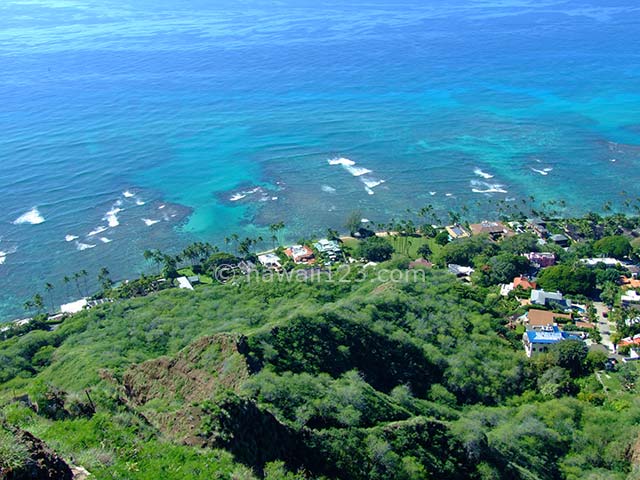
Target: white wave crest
(372, 183)
(341, 161)
(31, 217)
(128, 194)
(84, 246)
(328, 189)
(233, 198)
(112, 215)
(484, 187)
(482, 174)
(105, 240)
(148, 222)
(70, 238)
(139, 202)
(349, 166)
(544, 171)
(97, 230)
(3, 254)
(432, 193)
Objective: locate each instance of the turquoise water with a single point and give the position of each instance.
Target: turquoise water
(186, 105)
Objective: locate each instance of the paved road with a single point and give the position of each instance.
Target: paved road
(605, 327)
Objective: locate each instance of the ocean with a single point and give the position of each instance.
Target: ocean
(127, 125)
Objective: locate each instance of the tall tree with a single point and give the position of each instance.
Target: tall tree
(49, 289)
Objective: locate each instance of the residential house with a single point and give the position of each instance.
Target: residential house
(537, 319)
(540, 297)
(584, 324)
(184, 283)
(630, 341)
(607, 262)
(631, 299)
(457, 231)
(420, 262)
(247, 267)
(74, 307)
(329, 249)
(634, 270)
(538, 226)
(300, 254)
(524, 283)
(630, 282)
(560, 240)
(271, 261)
(459, 270)
(495, 230)
(540, 341)
(541, 259)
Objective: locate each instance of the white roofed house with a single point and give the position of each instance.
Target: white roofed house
(184, 283)
(270, 260)
(631, 299)
(74, 307)
(540, 297)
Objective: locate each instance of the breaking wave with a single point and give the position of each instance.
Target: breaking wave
(31, 217)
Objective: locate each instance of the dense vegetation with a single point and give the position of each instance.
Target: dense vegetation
(350, 376)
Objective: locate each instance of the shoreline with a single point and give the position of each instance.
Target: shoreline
(343, 238)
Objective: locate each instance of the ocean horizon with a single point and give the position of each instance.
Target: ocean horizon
(130, 125)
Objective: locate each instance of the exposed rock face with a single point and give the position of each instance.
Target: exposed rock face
(206, 367)
(42, 463)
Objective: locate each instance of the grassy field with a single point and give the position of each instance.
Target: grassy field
(188, 272)
(405, 245)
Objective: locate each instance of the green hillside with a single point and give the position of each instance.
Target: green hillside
(363, 379)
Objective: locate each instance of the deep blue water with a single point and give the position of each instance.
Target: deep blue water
(188, 104)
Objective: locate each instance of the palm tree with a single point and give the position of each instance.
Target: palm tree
(191, 252)
(76, 278)
(332, 234)
(104, 279)
(154, 256)
(49, 289)
(38, 302)
(84, 275)
(235, 238)
(276, 229)
(66, 281)
(28, 305)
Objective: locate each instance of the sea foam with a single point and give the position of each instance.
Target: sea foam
(148, 222)
(482, 174)
(97, 230)
(349, 166)
(3, 254)
(372, 183)
(484, 187)
(233, 198)
(328, 189)
(544, 171)
(84, 246)
(32, 217)
(112, 215)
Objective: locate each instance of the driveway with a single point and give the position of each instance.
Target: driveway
(605, 327)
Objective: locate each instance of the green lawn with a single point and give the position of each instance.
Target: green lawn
(406, 245)
(188, 272)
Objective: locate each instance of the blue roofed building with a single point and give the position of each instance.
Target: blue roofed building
(540, 341)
